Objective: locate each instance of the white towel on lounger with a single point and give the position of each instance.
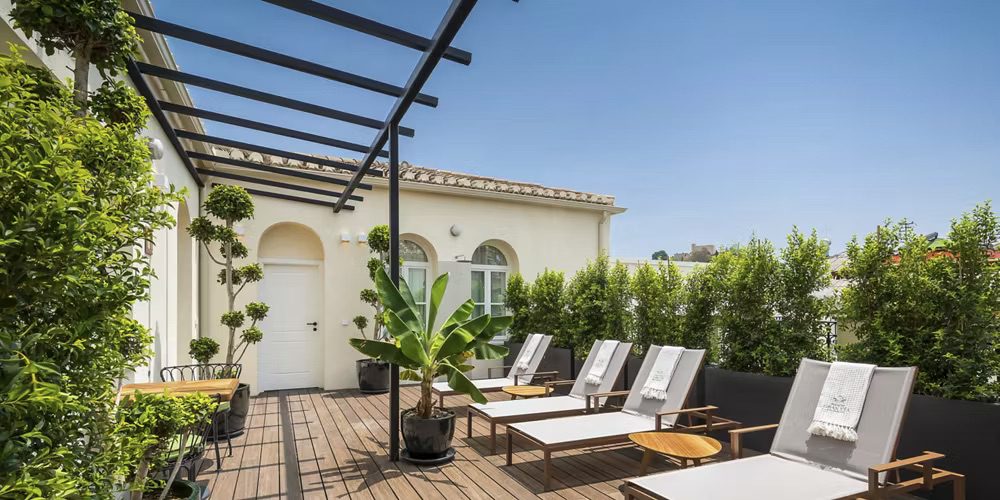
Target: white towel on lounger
(596, 374)
(663, 370)
(841, 401)
(530, 346)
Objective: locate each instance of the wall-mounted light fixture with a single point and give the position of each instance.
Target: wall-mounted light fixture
(155, 149)
(362, 237)
(240, 229)
(345, 236)
(456, 230)
(161, 182)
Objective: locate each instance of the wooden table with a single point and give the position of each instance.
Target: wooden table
(224, 388)
(526, 391)
(678, 445)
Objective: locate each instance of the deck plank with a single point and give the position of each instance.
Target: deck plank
(314, 444)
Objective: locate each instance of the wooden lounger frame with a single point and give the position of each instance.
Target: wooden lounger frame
(704, 413)
(923, 464)
(541, 375)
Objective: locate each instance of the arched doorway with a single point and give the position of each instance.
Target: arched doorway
(185, 293)
(290, 355)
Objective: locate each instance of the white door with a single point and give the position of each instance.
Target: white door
(290, 355)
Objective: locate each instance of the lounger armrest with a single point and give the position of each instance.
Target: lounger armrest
(552, 383)
(598, 395)
(535, 374)
(736, 438)
(923, 463)
(706, 410)
(489, 370)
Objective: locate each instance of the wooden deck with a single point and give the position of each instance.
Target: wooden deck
(333, 444)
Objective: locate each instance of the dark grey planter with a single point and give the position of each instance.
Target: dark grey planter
(428, 438)
(373, 376)
(239, 407)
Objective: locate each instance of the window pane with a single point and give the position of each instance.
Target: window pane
(417, 280)
(478, 286)
(498, 310)
(498, 286)
(488, 255)
(411, 252)
(478, 311)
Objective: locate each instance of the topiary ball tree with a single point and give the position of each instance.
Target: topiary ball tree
(203, 350)
(232, 204)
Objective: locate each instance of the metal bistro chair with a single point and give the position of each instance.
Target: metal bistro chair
(208, 371)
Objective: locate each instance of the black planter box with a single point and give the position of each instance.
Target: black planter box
(966, 432)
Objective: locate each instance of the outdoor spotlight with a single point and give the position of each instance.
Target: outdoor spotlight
(345, 236)
(155, 148)
(455, 230)
(240, 229)
(362, 237)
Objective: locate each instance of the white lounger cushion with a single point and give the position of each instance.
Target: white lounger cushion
(500, 409)
(486, 383)
(764, 476)
(592, 426)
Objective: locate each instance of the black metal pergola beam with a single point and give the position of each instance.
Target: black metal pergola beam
(232, 143)
(369, 27)
(272, 57)
(277, 184)
(443, 36)
(140, 84)
(265, 97)
(288, 197)
(265, 127)
(288, 172)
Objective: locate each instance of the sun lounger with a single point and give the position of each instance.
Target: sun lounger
(802, 465)
(637, 415)
(577, 402)
(515, 376)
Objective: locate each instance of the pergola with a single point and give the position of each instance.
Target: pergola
(388, 130)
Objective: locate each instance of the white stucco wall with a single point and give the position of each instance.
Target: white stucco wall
(542, 234)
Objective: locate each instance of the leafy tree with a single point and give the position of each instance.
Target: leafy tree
(660, 255)
(203, 349)
(701, 295)
(598, 302)
(804, 271)
(77, 197)
(937, 310)
(548, 305)
(94, 32)
(657, 293)
(231, 204)
(518, 302)
(378, 245)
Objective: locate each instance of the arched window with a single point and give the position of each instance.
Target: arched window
(415, 270)
(489, 280)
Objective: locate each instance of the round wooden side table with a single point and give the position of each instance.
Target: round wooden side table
(680, 446)
(526, 391)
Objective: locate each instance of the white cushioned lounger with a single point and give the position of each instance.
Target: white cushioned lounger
(515, 376)
(637, 415)
(800, 465)
(578, 400)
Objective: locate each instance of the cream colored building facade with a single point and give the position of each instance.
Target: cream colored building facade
(314, 259)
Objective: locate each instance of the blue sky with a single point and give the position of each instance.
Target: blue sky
(711, 121)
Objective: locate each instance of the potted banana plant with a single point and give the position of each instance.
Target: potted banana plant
(424, 353)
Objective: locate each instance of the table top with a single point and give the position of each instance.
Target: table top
(676, 444)
(526, 391)
(223, 387)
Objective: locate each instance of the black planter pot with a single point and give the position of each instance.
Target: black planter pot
(188, 490)
(373, 376)
(239, 406)
(428, 438)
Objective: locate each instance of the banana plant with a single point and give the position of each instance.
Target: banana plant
(423, 352)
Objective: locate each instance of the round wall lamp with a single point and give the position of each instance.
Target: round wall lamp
(155, 149)
(456, 230)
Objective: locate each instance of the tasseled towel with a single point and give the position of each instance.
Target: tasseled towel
(528, 352)
(841, 401)
(596, 374)
(663, 370)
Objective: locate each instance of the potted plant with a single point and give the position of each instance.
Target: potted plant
(232, 204)
(425, 353)
(157, 429)
(373, 374)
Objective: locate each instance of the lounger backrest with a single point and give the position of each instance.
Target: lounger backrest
(878, 430)
(677, 392)
(581, 388)
(543, 346)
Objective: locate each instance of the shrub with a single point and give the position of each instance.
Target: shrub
(203, 349)
(937, 310)
(598, 301)
(701, 292)
(548, 306)
(658, 297)
(78, 196)
(518, 302)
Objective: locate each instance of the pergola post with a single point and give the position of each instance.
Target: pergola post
(394, 275)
